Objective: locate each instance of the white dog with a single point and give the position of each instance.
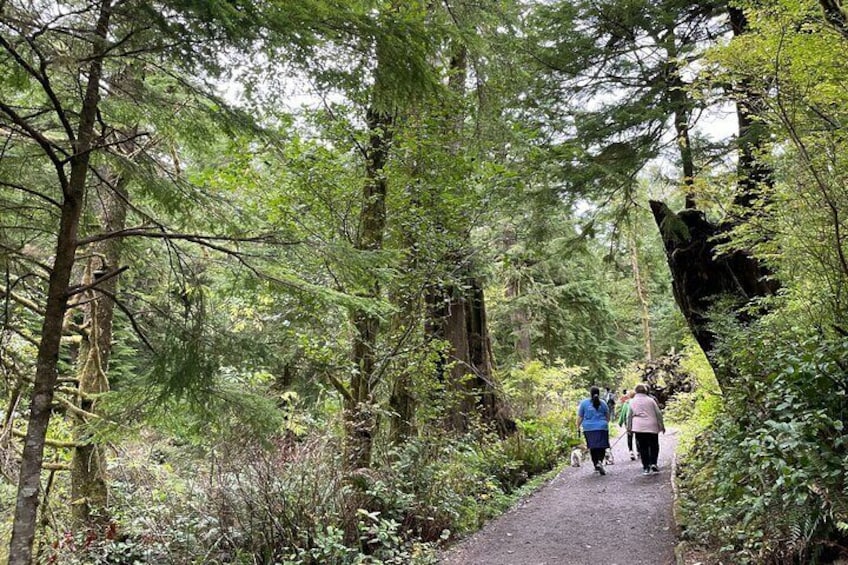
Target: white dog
(577, 455)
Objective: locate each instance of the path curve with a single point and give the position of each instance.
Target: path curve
(581, 518)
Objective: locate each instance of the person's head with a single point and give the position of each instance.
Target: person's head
(596, 397)
(641, 389)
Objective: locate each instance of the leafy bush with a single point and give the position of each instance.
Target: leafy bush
(545, 399)
(766, 482)
(694, 412)
(539, 444)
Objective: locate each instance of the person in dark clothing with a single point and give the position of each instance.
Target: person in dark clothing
(609, 398)
(593, 416)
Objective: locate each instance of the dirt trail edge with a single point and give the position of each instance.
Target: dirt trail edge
(580, 518)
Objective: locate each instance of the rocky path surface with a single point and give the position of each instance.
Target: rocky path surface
(623, 518)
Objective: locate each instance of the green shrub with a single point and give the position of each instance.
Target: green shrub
(539, 444)
(694, 412)
(766, 482)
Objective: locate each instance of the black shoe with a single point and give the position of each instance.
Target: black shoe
(601, 469)
(655, 469)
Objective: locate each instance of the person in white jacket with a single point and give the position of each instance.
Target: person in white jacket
(645, 421)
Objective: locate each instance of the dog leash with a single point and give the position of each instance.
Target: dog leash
(618, 440)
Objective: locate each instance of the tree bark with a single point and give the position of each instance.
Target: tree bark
(360, 418)
(519, 316)
(494, 410)
(642, 297)
(701, 275)
(470, 384)
(752, 173)
(835, 16)
(682, 113)
(29, 482)
(459, 384)
(456, 314)
(402, 403)
(89, 491)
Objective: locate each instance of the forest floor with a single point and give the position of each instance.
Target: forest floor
(580, 517)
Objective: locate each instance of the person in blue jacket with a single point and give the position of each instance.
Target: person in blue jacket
(593, 418)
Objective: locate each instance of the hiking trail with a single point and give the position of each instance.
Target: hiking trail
(582, 518)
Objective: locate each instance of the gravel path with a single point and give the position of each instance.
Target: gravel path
(582, 518)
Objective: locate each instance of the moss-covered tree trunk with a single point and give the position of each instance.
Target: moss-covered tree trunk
(360, 416)
(457, 313)
(682, 104)
(701, 275)
(642, 298)
(89, 491)
(73, 192)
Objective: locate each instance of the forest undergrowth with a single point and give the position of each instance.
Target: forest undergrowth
(288, 500)
(762, 465)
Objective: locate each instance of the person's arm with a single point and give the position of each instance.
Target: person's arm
(658, 412)
(579, 417)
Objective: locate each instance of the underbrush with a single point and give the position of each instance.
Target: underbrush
(248, 503)
(765, 481)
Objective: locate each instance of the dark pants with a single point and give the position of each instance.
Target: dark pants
(597, 455)
(597, 441)
(648, 445)
(629, 441)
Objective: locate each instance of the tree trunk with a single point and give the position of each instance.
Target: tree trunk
(470, 385)
(458, 385)
(493, 409)
(89, 491)
(29, 482)
(752, 173)
(835, 16)
(519, 316)
(520, 319)
(700, 274)
(682, 112)
(642, 297)
(402, 403)
(458, 315)
(403, 400)
(360, 418)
